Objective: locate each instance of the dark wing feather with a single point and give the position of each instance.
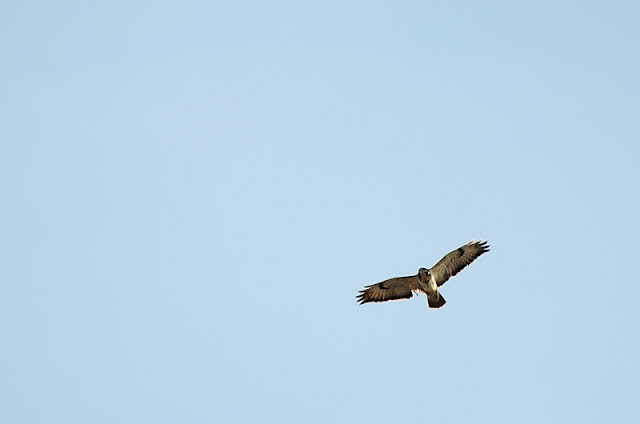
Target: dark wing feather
(392, 289)
(456, 261)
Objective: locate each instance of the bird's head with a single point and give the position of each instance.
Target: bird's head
(424, 274)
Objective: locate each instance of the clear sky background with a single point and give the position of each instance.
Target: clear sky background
(194, 192)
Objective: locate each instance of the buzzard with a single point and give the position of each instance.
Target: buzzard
(426, 281)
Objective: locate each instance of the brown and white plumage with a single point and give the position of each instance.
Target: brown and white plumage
(426, 281)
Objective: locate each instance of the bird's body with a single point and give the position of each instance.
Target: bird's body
(426, 281)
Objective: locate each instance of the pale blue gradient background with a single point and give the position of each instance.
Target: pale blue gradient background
(194, 192)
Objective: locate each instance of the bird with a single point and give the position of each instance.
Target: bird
(426, 281)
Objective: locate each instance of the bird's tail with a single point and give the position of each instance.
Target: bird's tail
(436, 300)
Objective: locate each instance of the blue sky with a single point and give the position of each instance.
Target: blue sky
(194, 192)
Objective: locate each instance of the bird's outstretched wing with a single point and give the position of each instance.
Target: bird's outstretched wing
(456, 261)
(392, 289)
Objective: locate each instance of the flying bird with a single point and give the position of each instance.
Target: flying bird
(426, 281)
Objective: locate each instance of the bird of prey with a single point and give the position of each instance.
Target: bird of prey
(426, 281)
